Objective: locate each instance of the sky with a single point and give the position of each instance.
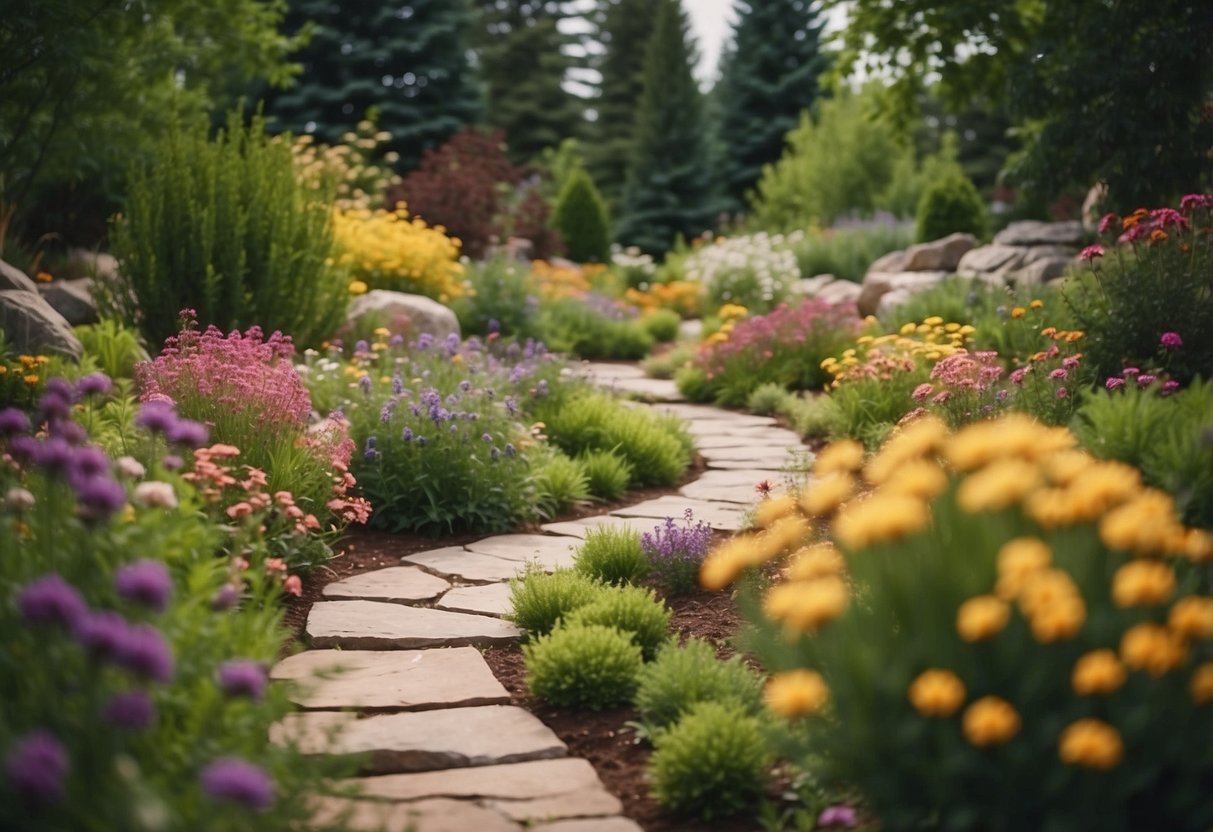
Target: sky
(711, 21)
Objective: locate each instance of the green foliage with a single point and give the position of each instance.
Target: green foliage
(612, 555)
(593, 329)
(681, 677)
(767, 399)
(581, 217)
(713, 763)
(560, 484)
(606, 472)
(693, 382)
(670, 188)
(585, 666)
(224, 227)
(540, 601)
(498, 290)
(846, 253)
(663, 324)
(949, 205)
(633, 610)
(668, 363)
(114, 347)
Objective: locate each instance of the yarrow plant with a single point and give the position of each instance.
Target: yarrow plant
(756, 271)
(675, 552)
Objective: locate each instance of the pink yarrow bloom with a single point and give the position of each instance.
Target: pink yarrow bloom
(1091, 252)
(1171, 340)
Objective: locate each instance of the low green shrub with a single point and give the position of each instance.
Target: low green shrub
(949, 205)
(713, 763)
(540, 600)
(498, 296)
(560, 484)
(846, 253)
(681, 677)
(666, 364)
(634, 610)
(580, 215)
(114, 347)
(693, 382)
(587, 666)
(767, 399)
(606, 472)
(612, 555)
(663, 324)
(594, 327)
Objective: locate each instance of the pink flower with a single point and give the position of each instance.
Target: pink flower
(1059, 374)
(1107, 221)
(241, 509)
(275, 565)
(1163, 217)
(1171, 340)
(1129, 372)
(1146, 379)
(1193, 201)
(1114, 383)
(293, 585)
(921, 392)
(1169, 387)
(1062, 392)
(1091, 252)
(942, 397)
(1017, 375)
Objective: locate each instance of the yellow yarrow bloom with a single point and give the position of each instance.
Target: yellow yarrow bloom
(913, 441)
(998, 486)
(1018, 561)
(844, 456)
(1192, 617)
(917, 478)
(1059, 621)
(982, 618)
(817, 561)
(1143, 583)
(768, 511)
(726, 563)
(990, 720)
(1201, 686)
(823, 496)
(1091, 743)
(879, 519)
(1062, 468)
(937, 693)
(796, 693)
(1152, 648)
(806, 606)
(358, 287)
(1096, 673)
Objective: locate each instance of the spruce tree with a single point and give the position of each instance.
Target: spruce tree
(768, 77)
(669, 188)
(624, 28)
(407, 65)
(520, 47)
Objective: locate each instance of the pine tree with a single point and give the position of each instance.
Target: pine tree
(768, 77)
(407, 65)
(520, 47)
(581, 218)
(624, 28)
(669, 188)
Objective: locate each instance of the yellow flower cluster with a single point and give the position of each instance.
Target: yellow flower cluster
(879, 356)
(796, 693)
(389, 250)
(683, 296)
(346, 166)
(553, 282)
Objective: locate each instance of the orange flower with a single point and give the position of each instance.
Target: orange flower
(937, 693)
(990, 721)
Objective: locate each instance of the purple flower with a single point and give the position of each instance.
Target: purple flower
(839, 815)
(1146, 379)
(145, 582)
(187, 432)
(13, 421)
(396, 340)
(172, 462)
(510, 450)
(397, 384)
(493, 326)
(52, 600)
(1114, 383)
(102, 633)
(361, 345)
(90, 461)
(228, 778)
(54, 455)
(56, 402)
(1171, 340)
(365, 384)
(99, 497)
(156, 416)
(242, 677)
(422, 441)
(68, 431)
(225, 598)
(94, 384)
(425, 341)
(486, 437)
(1169, 387)
(131, 711)
(407, 434)
(37, 766)
(145, 652)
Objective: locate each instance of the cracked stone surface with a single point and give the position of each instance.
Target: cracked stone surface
(703, 413)
(376, 625)
(579, 528)
(723, 516)
(437, 815)
(651, 389)
(396, 583)
(549, 551)
(424, 741)
(457, 562)
(403, 679)
(615, 824)
(489, 599)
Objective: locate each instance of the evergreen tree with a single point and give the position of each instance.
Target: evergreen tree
(581, 218)
(406, 65)
(624, 28)
(523, 63)
(669, 188)
(768, 77)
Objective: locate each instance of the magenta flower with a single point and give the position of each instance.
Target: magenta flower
(144, 651)
(1059, 374)
(1018, 375)
(1171, 340)
(52, 600)
(94, 384)
(1091, 252)
(36, 768)
(1129, 372)
(1146, 379)
(1062, 392)
(921, 392)
(145, 582)
(1114, 383)
(130, 711)
(1106, 222)
(242, 677)
(1169, 387)
(102, 633)
(839, 815)
(13, 422)
(229, 778)
(1191, 202)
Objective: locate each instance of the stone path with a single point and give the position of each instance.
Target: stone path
(395, 671)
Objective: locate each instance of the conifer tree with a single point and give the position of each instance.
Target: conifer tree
(669, 188)
(768, 77)
(407, 65)
(581, 218)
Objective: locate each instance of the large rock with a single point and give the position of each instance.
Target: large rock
(839, 292)
(939, 255)
(876, 286)
(1040, 271)
(1034, 233)
(990, 259)
(73, 299)
(1041, 252)
(894, 261)
(13, 278)
(31, 326)
(423, 314)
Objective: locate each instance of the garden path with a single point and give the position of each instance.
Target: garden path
(394, 671)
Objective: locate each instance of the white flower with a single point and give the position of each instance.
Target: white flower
(155, 494)
(129, 467)
(18, 499)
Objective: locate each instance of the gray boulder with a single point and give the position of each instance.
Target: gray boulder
(1040, 271)
(876, 286)
(811, 286)
(423, 314)
(12, 277)
(839, 292)
(1040, 252)
(894, 261)
(990, 259)
(32, 326)
(939, 255)
(1034, 233)
(73, 299)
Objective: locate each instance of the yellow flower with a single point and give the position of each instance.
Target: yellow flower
(1037, 304)
(1091, 743)
(998, 486)
(1018, 561)
(382, 331)
(913, 441)
(1152, 648)
(796, 693)
(1144, 525)
(981, 618)
(768, 511)
(934, 320)
(806, 606)
(1018, 312)
(990, 721)
(786, 534)
(845, 456)
(1097, 672)
(1201, 686)
(358, 287)
(44, 277)
(917, 478)
(1058, 621)
(1143, 583)
(1192, 617)
(1063, 468)
(1197, 545)
(908, 329)
(938, 693)
(816, 561)
(880, 518)
(822, 496)
(726, 563)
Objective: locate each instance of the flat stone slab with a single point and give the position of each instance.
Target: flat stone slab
(402, 679)
(722, 516)
(769, 462)
(579, 528)
(527, 792)
(600, 370)
(650, 389)
(487, 599)
(376, 625)
(759, 456)
(437, 815)
(454, 738)
(396, 583)
(616, 824)
(550, 552)
(699, 412)
(457, 562)
(764, 438)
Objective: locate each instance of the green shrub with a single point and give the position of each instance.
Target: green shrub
(663, 324)
(949, 205)
(114, 347)
(712, 764)
(634, 610)
(767, 399)
(498, 294)
(224, 227)
(587, 666)
(682, 677)
(560, 484)
(540, 600)
(666, 364)
(606, 472)
(846, 253)
(594, 328)
(580, 215)
(693, 382)
(612, 555)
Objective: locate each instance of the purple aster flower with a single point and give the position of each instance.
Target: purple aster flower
(52, 600)
(407, 434)
(99, 497)
(225, 598)
(425, 341)
(364, 384)
(486, 437)
(397, 385)
(90, 461)
(188, 433)
(102, 633)
(361, 345)
(131, 711)
(840, 815)
(145, 652)
(1171, 340)
(94, 384)
(228, 778)
(396, 340)
(145, 582)
(13, 422)
(37, 766)
(242, 677)
(156, 416)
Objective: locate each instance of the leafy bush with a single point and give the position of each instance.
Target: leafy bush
(949, 205)
(663, 324)
(580, 215)
(632, 609)
(606, 472)
(383, 249)
(681, 677)
(713, 763)
(1066, 602)
(767, 399)
(587, 666)
(498, 297)
(755, 271)
(668, 363)
(114, 348)
(594, 326)
(612, 555)
(847, 252)
(560, 484)
(540, 601)
(225, 227)
(675, 552)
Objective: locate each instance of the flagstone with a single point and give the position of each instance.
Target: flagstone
(600, 369)
(376, 625)
(651, 389)
(699, 412)
(722, 516)
(755, 461)
(424, 741)
(579, 528)
(404, 679)
(551, 552)
(438, 815)
(765, 438)
(486, 599)
(396, 583)
(457, 562)
(615, 824)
